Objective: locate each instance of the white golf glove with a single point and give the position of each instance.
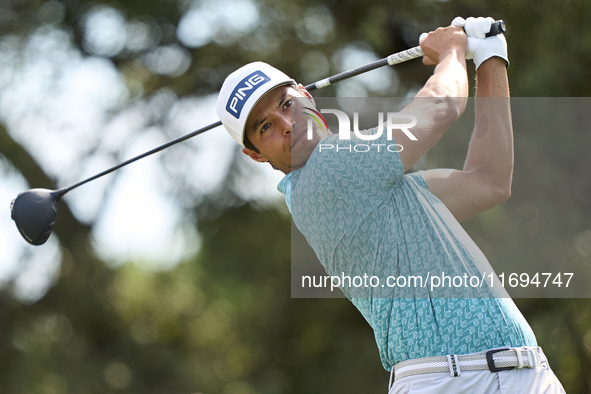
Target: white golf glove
(480, 47)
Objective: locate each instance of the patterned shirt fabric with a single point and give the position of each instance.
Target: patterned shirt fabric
(362, 215)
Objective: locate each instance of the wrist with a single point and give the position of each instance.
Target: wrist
(457, 52)
(492, 65)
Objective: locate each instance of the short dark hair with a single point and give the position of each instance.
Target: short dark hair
(247, 143)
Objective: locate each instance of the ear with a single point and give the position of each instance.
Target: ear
(254, 155)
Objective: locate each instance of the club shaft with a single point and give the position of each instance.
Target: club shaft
(391, 60)
(151, 152)
(396, 58)
(496, 28)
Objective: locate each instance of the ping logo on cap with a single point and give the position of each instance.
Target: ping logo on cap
(244, 90)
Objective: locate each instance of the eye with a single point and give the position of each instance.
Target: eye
(265, 127)
(287, 104)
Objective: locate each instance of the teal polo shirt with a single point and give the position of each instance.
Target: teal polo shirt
(363, 215)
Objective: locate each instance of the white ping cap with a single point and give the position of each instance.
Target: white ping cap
(241, 91)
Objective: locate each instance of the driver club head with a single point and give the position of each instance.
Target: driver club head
(34, 213)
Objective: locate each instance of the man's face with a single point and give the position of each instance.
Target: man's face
(277, 127)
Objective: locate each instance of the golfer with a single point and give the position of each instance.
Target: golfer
(362, 214)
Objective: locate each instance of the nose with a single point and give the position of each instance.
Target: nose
(286, 124)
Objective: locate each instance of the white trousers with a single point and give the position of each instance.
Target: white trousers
(519, 381)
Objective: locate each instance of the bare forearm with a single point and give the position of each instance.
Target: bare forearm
(491, 147)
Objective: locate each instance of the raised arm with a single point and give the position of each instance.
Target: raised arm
(485, 180)
(443, 98)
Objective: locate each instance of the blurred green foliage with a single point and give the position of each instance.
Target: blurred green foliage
(223, 321)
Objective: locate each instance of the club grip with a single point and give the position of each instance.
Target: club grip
(496, 28)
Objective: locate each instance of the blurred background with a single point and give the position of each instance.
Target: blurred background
(173, 274)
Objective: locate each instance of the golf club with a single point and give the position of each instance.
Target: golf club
(34, 211)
